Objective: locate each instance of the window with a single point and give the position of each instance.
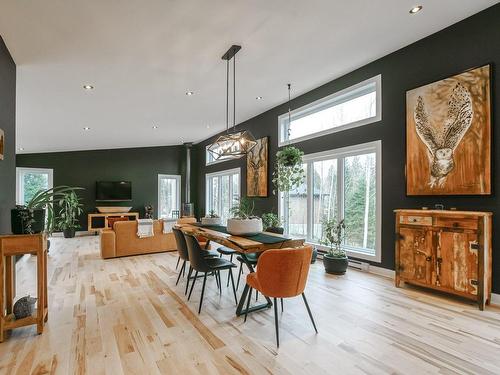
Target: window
(342, 184)
(209, 158)
(355, 106)
(222, 192)
(30, 181)
(169, 196)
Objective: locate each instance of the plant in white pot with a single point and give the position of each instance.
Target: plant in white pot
(242, 221)
(211, 219)
(335, 260)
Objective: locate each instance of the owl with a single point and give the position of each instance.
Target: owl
(442, 142)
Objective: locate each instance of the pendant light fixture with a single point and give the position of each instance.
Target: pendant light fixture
(233, 144)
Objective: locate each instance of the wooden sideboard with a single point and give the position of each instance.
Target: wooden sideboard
(102, 220)
(449, 251)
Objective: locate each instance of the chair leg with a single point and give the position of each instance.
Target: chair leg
(309, 311)
(276, 323)
(202, 292)
(178, 261)
(232, 283)
(230, 259)
(216, 279)
(239, 275)
(248, 303)
(256, 295)
(192, 285)
(180, 272)
(281, 304)
(188, 279)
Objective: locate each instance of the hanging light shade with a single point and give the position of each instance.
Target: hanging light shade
(233, 144)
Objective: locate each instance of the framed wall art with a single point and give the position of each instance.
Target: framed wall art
(257, 165)
(448, 135)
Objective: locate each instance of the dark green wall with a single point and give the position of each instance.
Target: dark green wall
(8, 125)
(469, 43)
(84, 168)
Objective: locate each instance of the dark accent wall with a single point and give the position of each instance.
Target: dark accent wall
(84, 168)
(469, 43)
(8, 125)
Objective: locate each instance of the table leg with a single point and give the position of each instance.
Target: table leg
(240, 310)
(2, 314)
(40, 295)
(10, 284)
(45, 286)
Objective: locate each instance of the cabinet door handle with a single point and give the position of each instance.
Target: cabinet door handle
(429, 258)
(440, 260)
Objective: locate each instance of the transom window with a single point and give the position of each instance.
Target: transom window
(169, 196)
(222, 192)
(209, 157)
(355, 106)
(341, 184)
(30, 181)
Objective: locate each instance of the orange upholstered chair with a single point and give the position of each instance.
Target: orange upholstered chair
(281, 273)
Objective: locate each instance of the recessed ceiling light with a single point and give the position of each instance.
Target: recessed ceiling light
(189, 93)
(88, 87)
(86, 128)
(416, 9)
(208, 126)
(155, 127)
(259, 98)
(21, 148)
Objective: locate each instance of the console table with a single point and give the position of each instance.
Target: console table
(95, 220)
(11, 246)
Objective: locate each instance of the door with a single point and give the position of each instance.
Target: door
(415, 254)
(457, 261)
(30, 181)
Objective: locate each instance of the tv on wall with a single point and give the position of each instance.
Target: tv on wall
(113, 191)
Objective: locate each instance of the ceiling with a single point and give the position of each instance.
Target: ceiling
(143, 56)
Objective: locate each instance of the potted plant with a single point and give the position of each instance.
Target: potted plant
(288, 173)
(211, 219)
(272, 223)
(335, 260)
(242, 221)
(31, 217)
(70, 209)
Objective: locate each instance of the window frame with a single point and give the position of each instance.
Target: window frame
(20, 171)
(218, 161)
(342, 153)
(338, 97)
(178, 179)
(208, 176)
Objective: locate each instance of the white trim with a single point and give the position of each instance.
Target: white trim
(495, 299)
(20, 171)
(337, 97)
(369, 147)
(178, 180)
(385, 272)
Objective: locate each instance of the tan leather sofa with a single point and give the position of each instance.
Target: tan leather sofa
(122, 240)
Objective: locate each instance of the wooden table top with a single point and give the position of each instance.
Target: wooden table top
(240, 244)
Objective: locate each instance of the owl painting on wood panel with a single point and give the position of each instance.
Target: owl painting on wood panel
(448, 136)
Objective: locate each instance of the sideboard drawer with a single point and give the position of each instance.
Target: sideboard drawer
(416, 220)
(460, 223)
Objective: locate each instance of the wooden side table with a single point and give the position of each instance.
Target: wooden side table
(10, 246)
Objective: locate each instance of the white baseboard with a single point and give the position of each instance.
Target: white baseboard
(495, 299)
(78, 233)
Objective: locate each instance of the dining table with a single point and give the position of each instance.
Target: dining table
(243, 245)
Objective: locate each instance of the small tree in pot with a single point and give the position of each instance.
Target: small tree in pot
(71, 208)
(242, 221)
(335, 260)
(211, 219)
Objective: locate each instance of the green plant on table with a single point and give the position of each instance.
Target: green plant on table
(270, 220)
(333, 237)
(243, 209)
(212, 215)
(70, 209)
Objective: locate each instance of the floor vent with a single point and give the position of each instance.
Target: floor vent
(361, 266)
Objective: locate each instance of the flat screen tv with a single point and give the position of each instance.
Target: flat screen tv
(113, 191)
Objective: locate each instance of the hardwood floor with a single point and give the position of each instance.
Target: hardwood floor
(127, 316)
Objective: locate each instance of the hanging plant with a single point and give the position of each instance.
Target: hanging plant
(288, 173)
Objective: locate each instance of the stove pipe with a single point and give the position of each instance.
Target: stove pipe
(187, 206)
